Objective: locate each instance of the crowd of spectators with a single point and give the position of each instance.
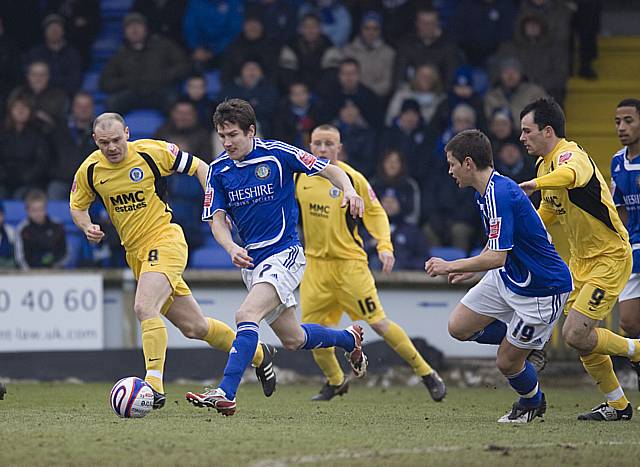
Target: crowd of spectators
(398, 79)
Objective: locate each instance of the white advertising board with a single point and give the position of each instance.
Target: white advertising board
(51, 312)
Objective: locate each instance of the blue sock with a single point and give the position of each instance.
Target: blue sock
(526, 384)
(492, 334)
(240, 355)
(321, 337)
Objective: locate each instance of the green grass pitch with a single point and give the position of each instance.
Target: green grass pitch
(72, 425)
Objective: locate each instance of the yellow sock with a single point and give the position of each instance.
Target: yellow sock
(221, 337)
(600, 368)
(610, 343)
(398, 340)
(328, 363)
(154, 348)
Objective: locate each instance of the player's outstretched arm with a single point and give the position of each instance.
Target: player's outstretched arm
(222, 233)
(201, 174)
(339, 178)
(488, 259)
(83, 221)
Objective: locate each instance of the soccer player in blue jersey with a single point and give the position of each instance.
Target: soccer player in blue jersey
(252, 184)
(518, 301)
(625, 183)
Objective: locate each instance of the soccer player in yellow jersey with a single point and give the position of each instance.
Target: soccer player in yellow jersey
(128, 178)
(575, 193)
(337, 278)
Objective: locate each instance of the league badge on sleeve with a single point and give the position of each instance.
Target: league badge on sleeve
(208, 197)
(494, 227)
(173, 149)
(307, 159)
(74, 186)
(564, 157)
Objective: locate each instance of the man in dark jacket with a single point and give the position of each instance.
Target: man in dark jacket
(40, 242)
(144, 70)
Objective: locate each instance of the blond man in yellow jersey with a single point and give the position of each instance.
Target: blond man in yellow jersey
(337, 278)
(575, 194)
(128, 178)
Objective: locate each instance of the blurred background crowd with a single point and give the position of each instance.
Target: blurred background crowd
(398, 78)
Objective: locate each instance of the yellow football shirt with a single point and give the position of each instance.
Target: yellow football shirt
(329, 231)
(585, 209)
(133, 190)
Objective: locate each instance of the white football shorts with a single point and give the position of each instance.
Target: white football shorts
(530, 320)
(284, 271)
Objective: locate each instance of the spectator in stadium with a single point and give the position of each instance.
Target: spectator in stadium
(427, 44)
(543, 61)
(557, 14)
(196, 93)
(399, 16)
(209, 27)
(310, 57)
(358, 139)
(144, 71)
(463, 117)
(10, 70)
(394, 181)
(511, 91)
(279, 18)
(7, 242)
(425, 88)
(299, 113)
(24, 153)
(350, 88)
(40, 242)
(335, 17)
(71, 142)
(461, 92)
(373, 54)
(410, 246)
(184, 129)
(251, 45)
(82, 23)
(251, 86)
(480, 26)
(50, 103)
(64, 60)
(586, 26)
(164, 17)
(501, 130)
(413, 139)
(511, 162)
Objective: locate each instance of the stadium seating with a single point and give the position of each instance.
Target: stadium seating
(448, 253)
(143, 123)
(14, 212)
(210, 257)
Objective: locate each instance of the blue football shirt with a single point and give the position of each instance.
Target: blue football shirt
(625, 175)
(533, 268)
(258, 193)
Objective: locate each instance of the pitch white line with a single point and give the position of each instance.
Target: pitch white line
(373, 453)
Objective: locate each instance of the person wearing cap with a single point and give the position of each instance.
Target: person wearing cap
(335, 18)
(374, 55)
(144, 71)
(7, 242)
(511, 91)
(65, 63)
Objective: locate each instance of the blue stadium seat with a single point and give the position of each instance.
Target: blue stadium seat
(75, 246)
(143, 123)
(213, 83)
(210, 257)
(59, 211)
(90, 81)
(448, 253)
(14, 212)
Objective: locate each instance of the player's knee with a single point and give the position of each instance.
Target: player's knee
(144, 311)
(380, 327)
(247, 314)
(292, 342)
(194, 329)
(574, 337)
(458, 333)
(508, 366)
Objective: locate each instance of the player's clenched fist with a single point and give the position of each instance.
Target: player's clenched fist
(93, 233)
(356, 204)
(436, 267)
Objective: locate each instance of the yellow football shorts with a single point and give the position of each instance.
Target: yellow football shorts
(597, 283)
(331, 287)
(167, 255)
